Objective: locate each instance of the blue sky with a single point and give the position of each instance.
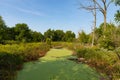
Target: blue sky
(40, 15)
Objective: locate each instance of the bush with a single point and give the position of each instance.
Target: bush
(12, 57)
(48, 41)
(104, 61)
(35, 52)
(116, 71)
(117, 51)
(81, 52)
(9, 64)
(106, 43)
(29, 51)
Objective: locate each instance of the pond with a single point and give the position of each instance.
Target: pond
(55, 66)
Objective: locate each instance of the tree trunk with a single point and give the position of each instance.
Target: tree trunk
(93, 36)
(94, 14)
(105, 22)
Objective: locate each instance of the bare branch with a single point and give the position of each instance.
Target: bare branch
(109, 4)
(100, 7)
(89, 8)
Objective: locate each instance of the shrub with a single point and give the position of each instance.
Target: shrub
(106, 43)
(34, 52)
(9, 64)
(12, 57)
(116, 71)
(117, 51)
(104, 61)
(48, 41)
(81, 52)
(29, 51)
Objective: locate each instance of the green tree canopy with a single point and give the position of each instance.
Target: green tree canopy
(59, 35)
(49, 34)
(69, 36)
(107, 42)
(22, 32)
(117, 16)
(82, 37)
(2, 30)
(117, 2)
(37, 36)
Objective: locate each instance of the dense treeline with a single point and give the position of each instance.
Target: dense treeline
(21, 33)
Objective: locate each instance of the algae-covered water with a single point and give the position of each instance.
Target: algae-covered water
(55, 66)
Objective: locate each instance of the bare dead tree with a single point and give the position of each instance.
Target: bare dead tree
(91, 8)
(95, 18)
(103, 9)
(102, 6)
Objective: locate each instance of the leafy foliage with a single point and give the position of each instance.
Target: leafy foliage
(29, 51)
(83, 37)
(9, 63)
(69, 36)
(104, 61)
(117, 16)
(59, 35)
(48, 41)
(13, 56)
(104, 39)
(2, 30)
(117, 2)
(22, 32)
(37, 36)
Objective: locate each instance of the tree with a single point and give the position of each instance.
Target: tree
(49, 34)
(22, 32)
(69, 36)
(2, 30)
(36, 36)
(10, 33)
(92, 8)
(54, 35)
(59, 34)
(83, 38)
(117, 17)
(108, 42)
(103, 9)
(102, 6)
(117, 2)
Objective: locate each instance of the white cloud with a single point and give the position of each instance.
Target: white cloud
(28, 11)
(37, 13)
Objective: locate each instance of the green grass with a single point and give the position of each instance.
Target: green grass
(55, 66)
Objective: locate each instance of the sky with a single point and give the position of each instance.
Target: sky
(40, 15)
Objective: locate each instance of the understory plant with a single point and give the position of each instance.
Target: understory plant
(13, 56)
(103, 60)
(9, 64)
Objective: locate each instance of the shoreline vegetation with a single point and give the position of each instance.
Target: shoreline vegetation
(104, 61)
